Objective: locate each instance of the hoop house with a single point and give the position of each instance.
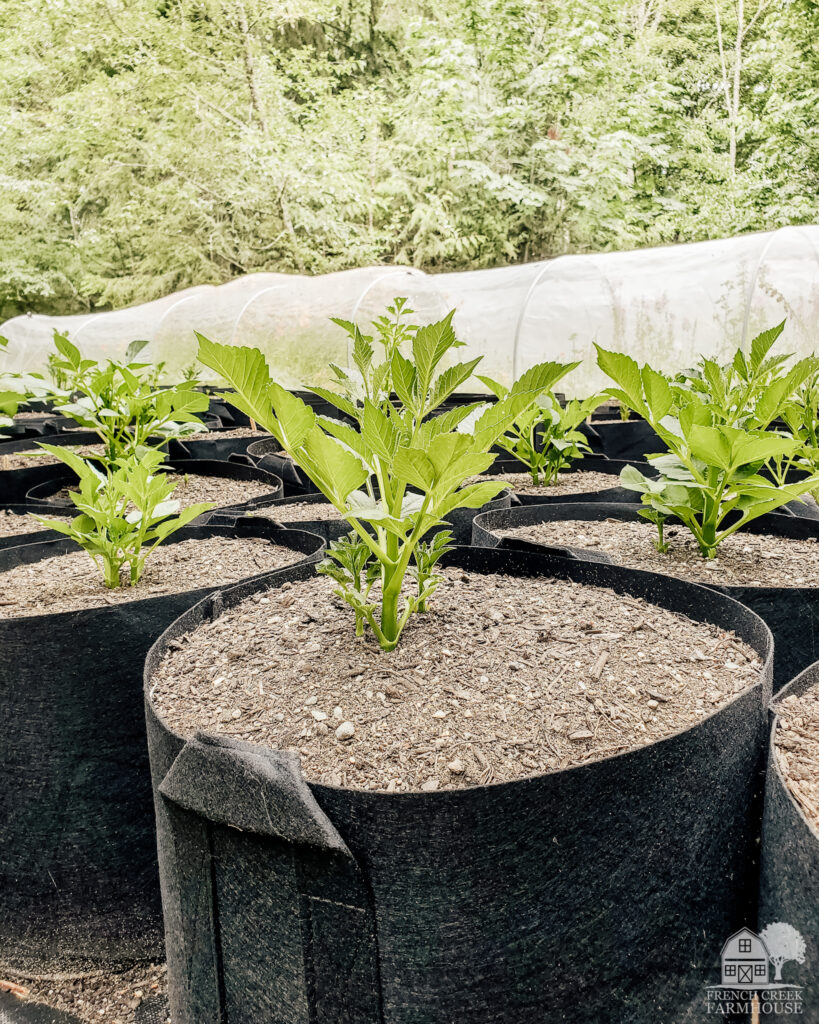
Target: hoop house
(665, 306)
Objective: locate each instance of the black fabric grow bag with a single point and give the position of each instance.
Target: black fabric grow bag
(78, 880)
(213, 447)
(590, 464)
(44, 493)
(265, 454)
(460, 519)
(600, 893)
(792, 613)
(38, 534)
(622, 439)
(16, 483)
(789, 887)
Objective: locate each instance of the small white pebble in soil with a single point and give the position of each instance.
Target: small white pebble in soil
(338, 713)
(310, 701)
(456, 766)
(319, 716)
(345, 731)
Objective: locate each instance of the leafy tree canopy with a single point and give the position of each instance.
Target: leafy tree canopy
(147, 145)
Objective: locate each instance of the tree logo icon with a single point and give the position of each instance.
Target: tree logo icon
(783, 943)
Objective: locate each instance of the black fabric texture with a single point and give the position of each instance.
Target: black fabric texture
(459, 520)
(16, 483)
(44, 493)
(15, 1011)
(78, 880)
(789, 889)
(599, 893)
(792, 613)
(617, 439)
(37, 537)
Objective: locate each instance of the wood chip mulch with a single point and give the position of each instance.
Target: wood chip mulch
(72, 581)
(37, 457)
(300, 512)
(743, 559)
(191, 488)
(12, 525)
(506, 677)
(96, 997)
(797, 749)
(576, 482)
(218, 435)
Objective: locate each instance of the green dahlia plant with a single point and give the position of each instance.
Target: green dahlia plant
(124, 513)
(399, 471)
(544, 437)
(122, 402)
(715, 422)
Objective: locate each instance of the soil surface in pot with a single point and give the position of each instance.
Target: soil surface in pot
(507, 677)
(96, 997)
(743, 559)
(797, 749)
(37, 457)
(66, 583)
(218, 435)
(12, 525)
(300, 512)
(193, 488)
(575, 482)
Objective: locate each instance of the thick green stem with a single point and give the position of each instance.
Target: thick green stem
(111, 571)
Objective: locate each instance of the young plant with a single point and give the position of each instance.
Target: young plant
(122, 403)
(124, 515)
(800, 416)
(9, 403)
(545, 438)
(714, 430)
(400, 471)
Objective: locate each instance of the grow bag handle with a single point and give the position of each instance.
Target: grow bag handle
(231, 784)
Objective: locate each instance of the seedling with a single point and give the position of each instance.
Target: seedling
(713, 424)
(123, 515)
(545, 438)
(122, 403)
(400, 471)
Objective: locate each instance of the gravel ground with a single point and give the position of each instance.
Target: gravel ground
(506, 677)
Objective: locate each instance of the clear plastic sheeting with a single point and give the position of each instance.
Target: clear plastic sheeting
(665, 306)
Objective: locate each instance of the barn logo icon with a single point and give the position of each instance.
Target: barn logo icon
(752, 973)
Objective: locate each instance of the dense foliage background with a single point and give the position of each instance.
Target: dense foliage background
(146, 145)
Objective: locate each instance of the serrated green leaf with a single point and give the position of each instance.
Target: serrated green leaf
(625, 372)
(247, 373)
(761, 345)
(657, 393)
